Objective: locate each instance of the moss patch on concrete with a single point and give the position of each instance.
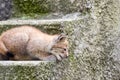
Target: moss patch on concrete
(91, 46)
(41, 8)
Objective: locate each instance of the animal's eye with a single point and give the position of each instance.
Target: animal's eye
(65, 49)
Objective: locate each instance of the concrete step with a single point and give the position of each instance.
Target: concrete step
(44, 21)
(35, 22)
(21, 63)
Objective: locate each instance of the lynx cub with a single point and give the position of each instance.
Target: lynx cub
(26, 43)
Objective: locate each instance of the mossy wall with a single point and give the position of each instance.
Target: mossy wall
(40, 7)
(92, 42)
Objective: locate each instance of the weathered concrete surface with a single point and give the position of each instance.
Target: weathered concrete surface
(35, 22)
(46, 6)
(93, 41)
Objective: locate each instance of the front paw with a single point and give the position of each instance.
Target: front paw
(49, 58)
(59, 57)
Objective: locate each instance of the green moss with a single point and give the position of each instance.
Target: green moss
(31, 6)
(26, 72)
(50, 29)
(26, 9)
(39, 8)
(24, 16)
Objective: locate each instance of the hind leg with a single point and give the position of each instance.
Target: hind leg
(4, 53)
(3, 49)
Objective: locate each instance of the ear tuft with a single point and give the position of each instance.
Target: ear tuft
(61, 37)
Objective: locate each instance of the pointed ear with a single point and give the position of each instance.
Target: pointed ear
(61, 38)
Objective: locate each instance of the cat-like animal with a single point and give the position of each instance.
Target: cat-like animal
(27, 42)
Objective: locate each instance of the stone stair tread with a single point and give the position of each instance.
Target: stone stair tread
(35, 22)
(21, 63)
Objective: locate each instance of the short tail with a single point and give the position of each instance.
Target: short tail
(4, 54)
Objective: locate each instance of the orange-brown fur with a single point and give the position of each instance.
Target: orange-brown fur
(26, 42)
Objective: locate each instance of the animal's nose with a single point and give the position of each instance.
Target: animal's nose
(67, 55)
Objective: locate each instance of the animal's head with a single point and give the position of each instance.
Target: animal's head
(60, 47)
